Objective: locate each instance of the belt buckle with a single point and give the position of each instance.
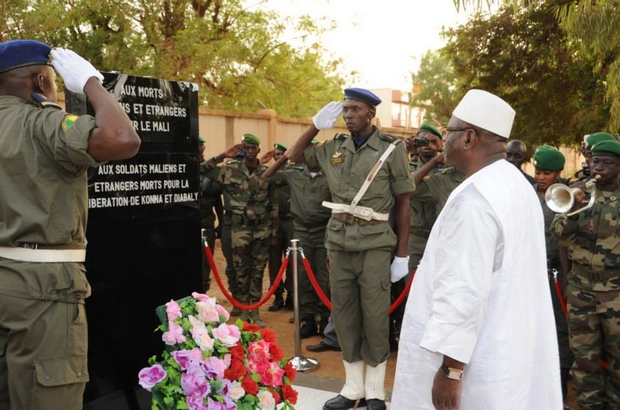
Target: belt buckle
(29, 245)
(362, 212)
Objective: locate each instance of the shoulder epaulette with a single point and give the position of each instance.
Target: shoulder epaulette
(341, 137)
(388, 137)
(42, 102)
(233, 162)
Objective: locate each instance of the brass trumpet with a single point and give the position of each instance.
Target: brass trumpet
(560, 198)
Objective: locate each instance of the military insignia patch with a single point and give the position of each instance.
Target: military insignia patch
(68, 122)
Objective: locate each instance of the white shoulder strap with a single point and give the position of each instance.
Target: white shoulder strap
(373, 173)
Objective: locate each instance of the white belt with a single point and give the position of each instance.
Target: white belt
(362, 212)
(43, 255)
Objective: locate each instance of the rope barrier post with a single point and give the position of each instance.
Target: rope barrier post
(299, 362)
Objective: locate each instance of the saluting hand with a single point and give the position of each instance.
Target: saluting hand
(74, 70)
(267, 156)
(326, 118)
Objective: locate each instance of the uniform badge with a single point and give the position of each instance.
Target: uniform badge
(68, 122)
(336, 158)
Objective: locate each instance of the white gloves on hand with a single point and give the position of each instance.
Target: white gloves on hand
(326, 118)
(74, 70)
(399, 268)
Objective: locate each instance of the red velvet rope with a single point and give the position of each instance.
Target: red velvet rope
(228, 296)
(558, 290)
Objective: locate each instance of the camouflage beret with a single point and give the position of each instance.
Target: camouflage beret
(606, 148)
(597, 137)
(429, 128)
(22, 53)
(280, 147)
(549, 158)
(250, 139)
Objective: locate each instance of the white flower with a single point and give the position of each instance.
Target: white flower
(267, 402)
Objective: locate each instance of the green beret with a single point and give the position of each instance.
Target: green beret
(597, 137)
(607, 148)
(314, 141)
(429, 128)
(549, 158)
(279, 146)
(201, 139)
(250, 139)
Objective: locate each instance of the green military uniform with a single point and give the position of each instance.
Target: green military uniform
(210, 199)
(252, 206)
(276, 251)
(43, 332)
(594, 298)
(309, 223)
(360, 251)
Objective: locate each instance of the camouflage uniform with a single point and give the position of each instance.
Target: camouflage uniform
(252, 206)
(594, 299)
(210, 198)
(360, 251)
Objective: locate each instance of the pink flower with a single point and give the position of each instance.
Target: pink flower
(201, 296)
(174, 335)
(236, 390)
(173, 310)
(259, 350)
(200, 334)
(272, 375)
(150, 376)
(224, 315)
(228, 335)
(207, 312)
(266, 400)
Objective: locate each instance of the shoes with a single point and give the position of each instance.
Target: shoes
(235, 311)
(289, 302)
(323, 347)
(291, 319)
(309, 328)
(342, 403)
(256, 319)
(278, 304)
(375, 404)
(322, 325)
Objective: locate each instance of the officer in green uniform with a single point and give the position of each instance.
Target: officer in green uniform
(45, 155)
(359, 240)
(309, 188)
(586, 150)
(278, 247)
(548, 163)
(210, 206)
(594, 283)
(253, 207)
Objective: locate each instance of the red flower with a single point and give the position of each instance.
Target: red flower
(250, 328)
(290, 372)
(275, 395)
(235, 371)
(276, 353)
(249, 385)
(237, 352)
(268, 335)
(289, 394)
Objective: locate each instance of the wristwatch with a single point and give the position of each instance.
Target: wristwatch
(451, 372)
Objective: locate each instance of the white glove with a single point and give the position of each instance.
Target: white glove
(74, 70)
(326, 118)
(399, 268)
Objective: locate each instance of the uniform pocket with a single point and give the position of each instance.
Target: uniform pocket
(61, 371)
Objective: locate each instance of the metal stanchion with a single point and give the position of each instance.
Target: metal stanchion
(299, 362)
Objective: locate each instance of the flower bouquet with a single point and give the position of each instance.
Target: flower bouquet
(209, 364)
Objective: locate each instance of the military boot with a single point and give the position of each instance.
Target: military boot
(309, 328)
(256, 319)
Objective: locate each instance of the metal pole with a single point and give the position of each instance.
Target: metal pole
(299, 362)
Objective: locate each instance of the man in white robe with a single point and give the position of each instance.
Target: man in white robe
(478, 331)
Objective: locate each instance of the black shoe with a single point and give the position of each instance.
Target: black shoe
(323, 347)
(375, 404)
(289, 302)
(342, 403)
(278, 304)
(309, 328)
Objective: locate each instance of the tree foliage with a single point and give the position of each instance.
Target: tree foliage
(594, 26)
(436, 82)
(527, 59)
(235, 54)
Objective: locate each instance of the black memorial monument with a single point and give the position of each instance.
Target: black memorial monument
(144, 242)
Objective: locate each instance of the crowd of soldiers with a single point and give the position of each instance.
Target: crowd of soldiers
(264, 206)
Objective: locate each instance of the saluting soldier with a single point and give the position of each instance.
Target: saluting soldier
(45, 155)
(253, 207)
(368, 174)
(594, 282)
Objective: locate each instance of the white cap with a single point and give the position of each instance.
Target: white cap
(487, 111)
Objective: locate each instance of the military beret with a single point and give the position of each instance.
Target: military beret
(597, 137)
(363, 95)
(607, 148)
(22, 53)
(250, 139)
(314, 141)
(429, 128)
(201, 139)
(549, 158)
(280, 146)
